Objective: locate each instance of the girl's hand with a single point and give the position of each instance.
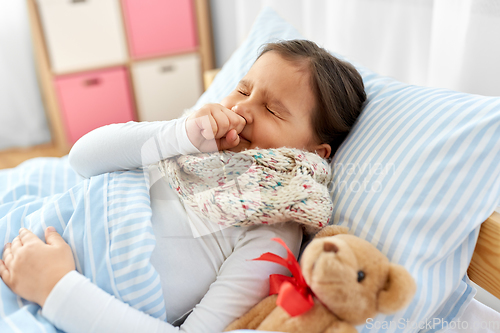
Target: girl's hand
(214, 127)
(31, 268)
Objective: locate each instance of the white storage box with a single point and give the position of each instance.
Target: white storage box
(166, 87)
(83, 34)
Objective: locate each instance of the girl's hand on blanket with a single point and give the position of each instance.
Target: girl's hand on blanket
(31, 268)
(214, 127)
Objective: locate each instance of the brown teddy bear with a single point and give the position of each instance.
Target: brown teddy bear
(350, 281)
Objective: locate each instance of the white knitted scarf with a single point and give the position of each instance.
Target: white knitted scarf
(258, 186)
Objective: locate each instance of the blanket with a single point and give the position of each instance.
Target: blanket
(105, 219)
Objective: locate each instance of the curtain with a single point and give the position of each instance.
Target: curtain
(22, 118)
(452, 44)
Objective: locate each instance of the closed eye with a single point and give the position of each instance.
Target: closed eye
(270, 111)
(243, 92)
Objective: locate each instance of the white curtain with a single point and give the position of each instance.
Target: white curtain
(451, 44)
(22, 118)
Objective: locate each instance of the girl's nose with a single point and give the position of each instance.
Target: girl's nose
(243, 111)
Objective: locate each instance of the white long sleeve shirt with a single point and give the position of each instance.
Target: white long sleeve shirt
(209, 275)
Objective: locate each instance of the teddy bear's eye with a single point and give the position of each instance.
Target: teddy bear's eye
(361, 276)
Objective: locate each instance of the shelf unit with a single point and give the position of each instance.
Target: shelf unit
(142, 68)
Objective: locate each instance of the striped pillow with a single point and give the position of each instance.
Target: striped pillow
(416, 177)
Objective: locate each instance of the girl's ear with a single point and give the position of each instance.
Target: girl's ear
(324, 150)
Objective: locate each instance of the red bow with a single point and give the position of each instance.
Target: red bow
(294, 295)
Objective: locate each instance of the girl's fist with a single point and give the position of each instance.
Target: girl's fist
(214, 127)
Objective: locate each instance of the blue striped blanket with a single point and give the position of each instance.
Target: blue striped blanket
(105, 219)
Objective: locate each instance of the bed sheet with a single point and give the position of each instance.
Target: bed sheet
(477, 318)
(106, 220)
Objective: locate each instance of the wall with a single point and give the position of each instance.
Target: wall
(22, 117)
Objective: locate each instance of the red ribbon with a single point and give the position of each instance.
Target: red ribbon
(294, 295)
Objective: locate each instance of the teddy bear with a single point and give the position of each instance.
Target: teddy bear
(347, 280)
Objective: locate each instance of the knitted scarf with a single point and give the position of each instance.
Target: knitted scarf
(252, 187)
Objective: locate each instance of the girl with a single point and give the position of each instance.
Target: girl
(295, 95)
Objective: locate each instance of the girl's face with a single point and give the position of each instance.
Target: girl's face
(276, 100)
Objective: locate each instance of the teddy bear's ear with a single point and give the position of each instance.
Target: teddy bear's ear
(398, 290)
(332, 230)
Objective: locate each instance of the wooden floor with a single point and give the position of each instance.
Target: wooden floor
(13, 157)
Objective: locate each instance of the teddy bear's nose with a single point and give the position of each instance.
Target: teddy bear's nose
(330, 247)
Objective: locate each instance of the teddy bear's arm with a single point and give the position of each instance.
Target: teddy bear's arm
(253, 318)
(341, 327)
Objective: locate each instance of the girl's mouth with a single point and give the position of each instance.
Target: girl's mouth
(243, 138)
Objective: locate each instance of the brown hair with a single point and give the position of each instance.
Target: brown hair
(336, 84)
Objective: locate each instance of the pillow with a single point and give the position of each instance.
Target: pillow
(416, 177)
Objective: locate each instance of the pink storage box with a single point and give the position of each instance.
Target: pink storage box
(93, 99)
(159, 27)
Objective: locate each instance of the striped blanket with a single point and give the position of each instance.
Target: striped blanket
(105, 219)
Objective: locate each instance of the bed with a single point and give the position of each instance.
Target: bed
(398, 114)
(484, 268)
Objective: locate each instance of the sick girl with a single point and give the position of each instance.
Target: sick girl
(296, 95)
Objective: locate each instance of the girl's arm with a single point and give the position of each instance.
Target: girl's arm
(134, 144)
(77, 305)
(74, 304)
(242, 282)
(129, 145)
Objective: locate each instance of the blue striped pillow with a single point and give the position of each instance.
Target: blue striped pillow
(416, 177)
